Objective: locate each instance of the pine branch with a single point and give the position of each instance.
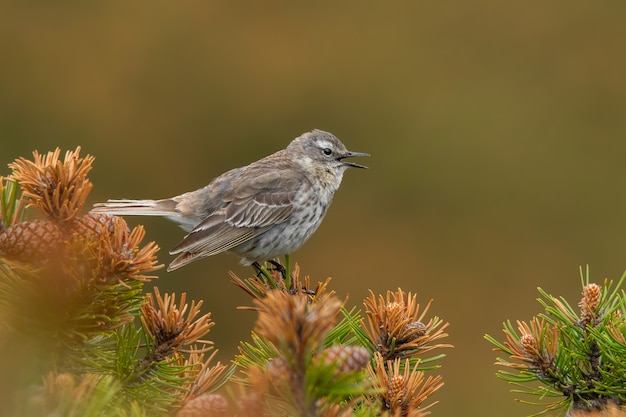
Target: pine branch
(71, 294)
(307, 359)
(575, 354)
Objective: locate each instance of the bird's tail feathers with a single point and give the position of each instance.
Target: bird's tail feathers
(165, 208)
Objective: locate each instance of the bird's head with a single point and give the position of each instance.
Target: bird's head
(324, 150)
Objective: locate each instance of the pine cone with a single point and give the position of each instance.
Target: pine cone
(32, 242)
(206, 405)
(345, 358)
(95, 224)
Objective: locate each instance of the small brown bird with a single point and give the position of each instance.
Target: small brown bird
(260, 211)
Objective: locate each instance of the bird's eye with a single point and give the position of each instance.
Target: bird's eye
(327, 151)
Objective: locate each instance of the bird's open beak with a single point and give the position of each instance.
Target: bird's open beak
(350, 155)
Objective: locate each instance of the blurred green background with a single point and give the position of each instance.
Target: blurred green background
(497, 132)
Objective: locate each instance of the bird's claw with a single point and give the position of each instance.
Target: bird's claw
(278, 267)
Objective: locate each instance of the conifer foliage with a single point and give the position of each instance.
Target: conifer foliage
(571, 358)
(309, 356)
(80, 337)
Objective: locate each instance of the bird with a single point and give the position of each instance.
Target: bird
(260, 211)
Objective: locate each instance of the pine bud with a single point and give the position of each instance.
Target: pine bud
(529, 346)
(589, 303)
(396, 390)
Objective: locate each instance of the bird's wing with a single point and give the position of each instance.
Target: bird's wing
(251, 207)
(264, 200)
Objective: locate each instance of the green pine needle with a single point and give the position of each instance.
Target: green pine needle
(585, 366)
(10, 209)
(349, 331)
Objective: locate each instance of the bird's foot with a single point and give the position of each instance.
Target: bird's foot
(278, 267)
(260, 271)
(282, 270)
(265, 275)
(303, 290)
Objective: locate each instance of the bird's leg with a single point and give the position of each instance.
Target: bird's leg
(284, 271)
(257, 269)
(261, 271)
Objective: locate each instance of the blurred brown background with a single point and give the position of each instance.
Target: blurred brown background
(497, 132)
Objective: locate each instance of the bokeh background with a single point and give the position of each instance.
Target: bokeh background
(497, 132)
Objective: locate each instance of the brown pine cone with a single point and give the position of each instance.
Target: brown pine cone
(32, 242)
(206, 405)
(346, 358)
(95, 224)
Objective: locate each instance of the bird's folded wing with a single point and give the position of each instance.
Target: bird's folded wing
(250, 209)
